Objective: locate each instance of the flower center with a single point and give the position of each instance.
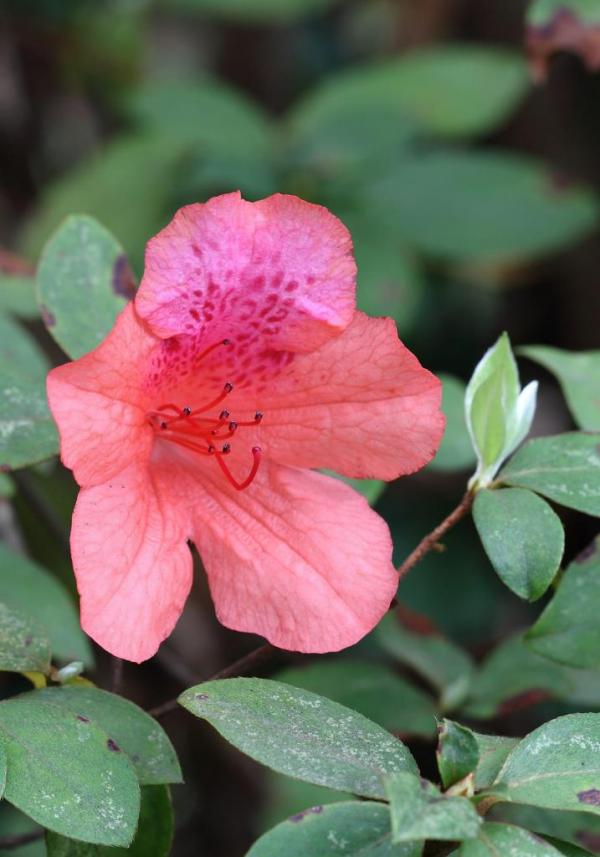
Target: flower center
(192, 429)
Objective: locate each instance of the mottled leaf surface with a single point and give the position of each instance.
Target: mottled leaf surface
(300, 734)
(128, 726)
(503, 839)
(565, 468)
(153, 838)
(523, 538)
(30, 589)
(556, 766)
(568, 631)
(63, 773)
(492, 751)
(27, 431)
(457, 752)
(353, 829)
(23, 647)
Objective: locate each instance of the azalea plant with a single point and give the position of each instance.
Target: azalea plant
(241, 485)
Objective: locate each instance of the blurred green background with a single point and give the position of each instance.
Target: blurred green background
(472, 197)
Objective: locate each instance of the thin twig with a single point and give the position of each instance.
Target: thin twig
(19, 839)
(431, 539)
(116, 674)
(242, 666)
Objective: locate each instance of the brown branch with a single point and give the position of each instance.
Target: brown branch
(240, 667)
(19, 839)
(432, 539)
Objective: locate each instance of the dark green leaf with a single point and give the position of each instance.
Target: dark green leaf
(580, 828)
(513, 676)
(7, 486)
(286, 796)
(83, 282)
(556, 766)
(27, 431)
(481, 205)
(443, 664)
(456, 450)
(457, 752)
(15, 823)
(3, 769)
(17, 295)
(565, 468)
(493, 750)
(300, 734)
(352, 828)
(579, 376)
(153, 837)
(253, 11)
(420, 811)
(504, 839)
(566, 848)
(30, 589)
(568, 631)
(523, 538)
(64, 774)
(129, 727)
(23, 647)
(372, 689)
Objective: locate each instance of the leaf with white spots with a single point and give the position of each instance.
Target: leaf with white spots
(565, 468)
(352, 829)
(64, 774)
(27, 431)
(300, 734)
(504, 839)
(127, 726)
(23, 647)
(556, 766)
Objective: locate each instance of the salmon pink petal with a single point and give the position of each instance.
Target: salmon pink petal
(131, 561)
(278, 273)
(298, 558)
(361, 405)
(98, 404)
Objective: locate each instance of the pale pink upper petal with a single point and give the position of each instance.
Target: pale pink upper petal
(277, 274)
(131, 560)
(99, 404)
(361, 405)
(298, 558)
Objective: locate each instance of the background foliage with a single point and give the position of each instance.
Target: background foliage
(470, 186)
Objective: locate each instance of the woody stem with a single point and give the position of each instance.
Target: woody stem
(431, 539)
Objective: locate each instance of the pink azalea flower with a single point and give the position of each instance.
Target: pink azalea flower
(240, 369)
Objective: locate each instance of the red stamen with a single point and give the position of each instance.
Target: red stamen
(239, 486)
(209, 450)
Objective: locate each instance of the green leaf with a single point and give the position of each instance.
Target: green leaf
(457, 752)
(456, 450)
(556, 766)
(579, 377)
(63, 773)
(580, 828)
(568, 630)
(17, 295)
(129, 728)
(286, 796)
(300, 734)
(372, 689)
(513, 676)
(99, 185)
(481, 206)
(493, 750)
(420, 811)
(28, 588)
(565, 468)
(153, 838)
(451, 90)
(83, 283)
(567, 849)
(23, 648)
(15, 823)
(3, 769)
(206, 112)
(253, 11)
(7, 486)
(27, 431)
(504, 839)
(499, 414)
(354, 829)
(523, 538)
(446, 667)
